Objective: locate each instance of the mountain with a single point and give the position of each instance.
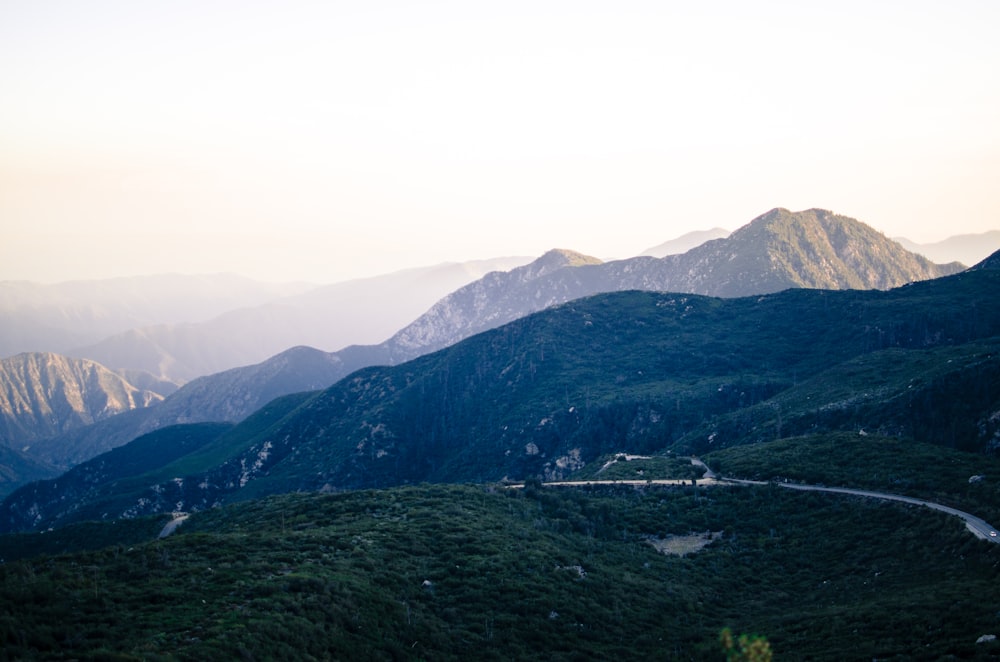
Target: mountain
(43, 394)
(685, 242)
(775, 251)
(362, 311)
(632, 371)
(813, 248)
(56, 317)
(964, 248)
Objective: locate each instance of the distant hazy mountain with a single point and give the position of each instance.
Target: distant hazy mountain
(37, 317)
(363, 311)
(964, 248)
(43, 394)
(685, 242)
(775, 251)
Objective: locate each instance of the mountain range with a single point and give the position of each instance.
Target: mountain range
(549, 393)
(777, 250)
(892, 389)
(362, 311)
(57, 317)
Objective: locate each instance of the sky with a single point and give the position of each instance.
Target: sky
(324, 141)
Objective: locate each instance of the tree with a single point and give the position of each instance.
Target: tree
(746, 648)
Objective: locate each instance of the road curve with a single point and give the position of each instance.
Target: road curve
(171, 526)
(977, 526)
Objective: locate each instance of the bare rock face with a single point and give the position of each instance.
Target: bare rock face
(42, 395)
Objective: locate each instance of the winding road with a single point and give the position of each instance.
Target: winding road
(977, 526)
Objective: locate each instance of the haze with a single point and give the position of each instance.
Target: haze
(326, 141)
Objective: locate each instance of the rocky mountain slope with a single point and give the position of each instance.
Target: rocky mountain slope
(775, 251)
(42, 395)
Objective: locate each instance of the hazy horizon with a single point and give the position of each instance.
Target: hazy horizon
(322, 142)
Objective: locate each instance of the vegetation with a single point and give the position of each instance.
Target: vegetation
(966, 481)
(745, 648)
(453, 572)
(622, 466)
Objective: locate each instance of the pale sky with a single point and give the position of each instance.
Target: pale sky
(327, 140)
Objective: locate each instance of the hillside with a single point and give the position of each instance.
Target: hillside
(635, 371)
(466, 572)
(42, 395)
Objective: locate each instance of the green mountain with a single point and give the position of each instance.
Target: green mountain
(632, 371)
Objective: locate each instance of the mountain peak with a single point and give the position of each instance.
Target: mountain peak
(818, 248)
(557, 258)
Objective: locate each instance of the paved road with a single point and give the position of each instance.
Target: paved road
(979, 527)
(172, 525)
